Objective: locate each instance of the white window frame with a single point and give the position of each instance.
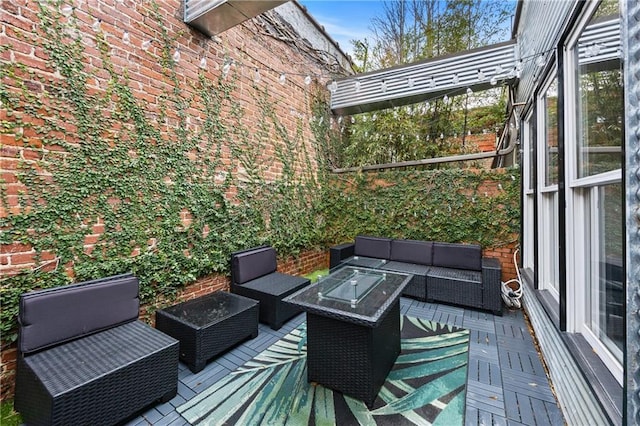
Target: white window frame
(528, 205)
(548, 244)
(582, 198)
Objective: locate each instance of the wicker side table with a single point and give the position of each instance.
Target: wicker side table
(209, 325)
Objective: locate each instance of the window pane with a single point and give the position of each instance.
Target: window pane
(608, 292)
(531, 156)
(551, 133)
(600, 97)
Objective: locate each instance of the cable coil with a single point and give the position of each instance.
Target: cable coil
(512, 289)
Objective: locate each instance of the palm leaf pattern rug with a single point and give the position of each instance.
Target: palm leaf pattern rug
(426, 386)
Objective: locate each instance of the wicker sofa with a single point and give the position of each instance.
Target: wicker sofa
(85, 359)
(442, 272)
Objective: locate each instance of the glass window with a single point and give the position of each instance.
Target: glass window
(551, 133)
(600, 94)
(607, 293)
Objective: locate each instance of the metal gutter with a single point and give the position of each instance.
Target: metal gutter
(630, 12)
(212, 17)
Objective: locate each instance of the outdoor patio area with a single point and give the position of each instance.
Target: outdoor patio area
(506, 381)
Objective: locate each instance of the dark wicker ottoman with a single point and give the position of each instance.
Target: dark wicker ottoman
(209, 325)
(352, 342)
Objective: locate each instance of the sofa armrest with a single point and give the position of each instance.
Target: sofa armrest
(492, 285)
(339, 253)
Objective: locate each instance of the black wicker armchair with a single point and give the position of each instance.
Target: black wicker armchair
(254, 275)
(85, 359)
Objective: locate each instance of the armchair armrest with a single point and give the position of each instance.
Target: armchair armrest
(492, 285)
(339, 253)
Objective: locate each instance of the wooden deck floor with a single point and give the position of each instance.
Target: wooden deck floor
(506, 383)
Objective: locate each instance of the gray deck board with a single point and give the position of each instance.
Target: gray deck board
(506, 383)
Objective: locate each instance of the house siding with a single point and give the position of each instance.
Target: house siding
(540, 26)
(631, 47)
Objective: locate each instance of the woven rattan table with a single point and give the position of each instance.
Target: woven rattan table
(209, 325)
(353, 329)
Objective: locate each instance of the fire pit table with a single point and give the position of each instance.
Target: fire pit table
(353, 329)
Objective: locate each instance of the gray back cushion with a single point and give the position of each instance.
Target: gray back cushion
(412, 251)
(56, 315)
(458, 256)
(379, 248)
(253, 264)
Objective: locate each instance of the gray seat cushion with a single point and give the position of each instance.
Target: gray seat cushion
(53, 316)
(276, 284)
(364, 262)
(458, 275)
(412, 251)
(372, 247)
(74, 364)
(406, 268)
(252, 264)
(457, 256)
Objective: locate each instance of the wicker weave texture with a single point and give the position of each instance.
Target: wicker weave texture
(492, 285)
(269, 290)
(417, 287)
(99, 379)
(350, 358)
(200, 344)
(456, 286)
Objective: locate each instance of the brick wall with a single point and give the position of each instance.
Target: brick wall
(248, 45)
(505, 255)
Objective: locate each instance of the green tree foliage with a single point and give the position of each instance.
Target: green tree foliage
(413, 30)
(111, 164)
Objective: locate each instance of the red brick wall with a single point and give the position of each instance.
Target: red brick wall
(505, 255)
(245, 44)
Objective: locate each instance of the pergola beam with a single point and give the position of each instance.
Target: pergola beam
(477, 69)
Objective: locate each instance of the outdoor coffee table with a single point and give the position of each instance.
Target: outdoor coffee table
(353, 329)
(209, 325)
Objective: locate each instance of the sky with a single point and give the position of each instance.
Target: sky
(345, 20)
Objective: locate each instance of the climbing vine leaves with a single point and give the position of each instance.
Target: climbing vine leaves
(111, 182)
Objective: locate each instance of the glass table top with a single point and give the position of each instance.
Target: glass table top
(357, 293)
(209, 309)
(350, 285)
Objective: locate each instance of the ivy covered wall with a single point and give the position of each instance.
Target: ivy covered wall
(129, 152)
(452, 205)
(132, 143)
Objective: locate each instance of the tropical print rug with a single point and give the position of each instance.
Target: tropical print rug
(425, 386)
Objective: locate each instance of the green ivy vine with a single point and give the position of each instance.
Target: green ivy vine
(451, 205)
(110, 164)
